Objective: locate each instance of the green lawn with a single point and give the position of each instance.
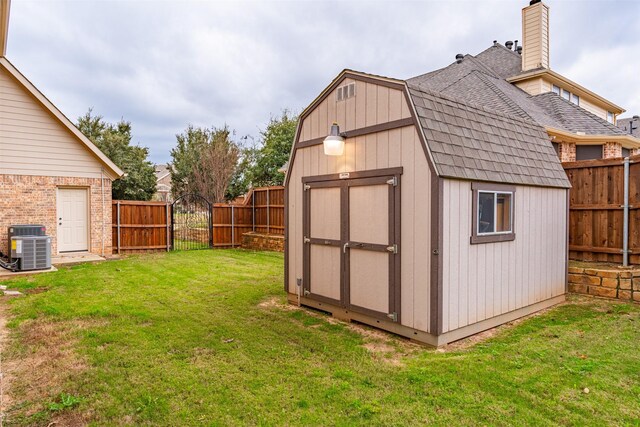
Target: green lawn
(204, 338)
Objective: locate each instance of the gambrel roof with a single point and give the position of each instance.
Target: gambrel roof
(472, 142)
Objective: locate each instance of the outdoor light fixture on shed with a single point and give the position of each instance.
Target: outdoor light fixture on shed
(334, 142)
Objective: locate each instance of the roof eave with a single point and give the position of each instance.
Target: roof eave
(553, 76)
(24, 82)
(627, 141)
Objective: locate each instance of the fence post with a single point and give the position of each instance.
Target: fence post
(118, 225)
(253, 209)
(233, 228)
(268, 211)
(166, 221)
(625, 221)
(211, 243)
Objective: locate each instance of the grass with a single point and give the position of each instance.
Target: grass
(204, 338)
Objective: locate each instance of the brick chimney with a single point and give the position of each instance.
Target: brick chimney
(5, 5)
(535, 36)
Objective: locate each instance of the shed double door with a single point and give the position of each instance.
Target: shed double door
(351, 244)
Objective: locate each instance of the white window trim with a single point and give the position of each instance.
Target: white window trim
(495, 211)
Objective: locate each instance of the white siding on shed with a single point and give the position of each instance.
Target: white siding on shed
(485, 280)
(33, 142)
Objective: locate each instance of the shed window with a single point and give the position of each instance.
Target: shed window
(492, 213)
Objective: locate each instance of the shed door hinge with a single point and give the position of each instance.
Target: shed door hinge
(307, 187)
(393, 316)
(393, 249)
(393, 181)
(307, 240)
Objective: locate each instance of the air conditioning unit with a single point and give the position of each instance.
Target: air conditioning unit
(31, 252)
(27, 230)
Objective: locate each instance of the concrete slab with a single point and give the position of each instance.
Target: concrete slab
(6, 274)
(75, 258)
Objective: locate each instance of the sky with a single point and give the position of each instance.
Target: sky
(163, 65)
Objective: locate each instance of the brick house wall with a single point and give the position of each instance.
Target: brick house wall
(567, 151)
(32, 200)
(611, 150)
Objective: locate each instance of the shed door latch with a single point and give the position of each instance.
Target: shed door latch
(306, 240)
(393, 249)
(393, 316)
(393, 181)
(307, 187)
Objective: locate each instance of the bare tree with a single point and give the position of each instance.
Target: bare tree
(216, 164)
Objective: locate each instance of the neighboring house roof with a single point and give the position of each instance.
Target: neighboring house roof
(162, 171)
(482, 80)
(110, 167)
(477, 143)
(624, 125)
(284, 167)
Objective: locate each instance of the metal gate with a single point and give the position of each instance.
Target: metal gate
(191, 223)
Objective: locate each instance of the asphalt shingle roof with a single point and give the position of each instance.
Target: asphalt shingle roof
(625, 123)
(574, 118)
(481, 80)
(472, 142)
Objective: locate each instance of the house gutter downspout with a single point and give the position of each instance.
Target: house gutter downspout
(625, 221)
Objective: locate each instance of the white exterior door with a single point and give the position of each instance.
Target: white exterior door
(73, 220)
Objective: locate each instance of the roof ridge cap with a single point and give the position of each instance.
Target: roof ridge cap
(501, 46)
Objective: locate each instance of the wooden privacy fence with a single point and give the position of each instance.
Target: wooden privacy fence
(597, 210)
(139, 226)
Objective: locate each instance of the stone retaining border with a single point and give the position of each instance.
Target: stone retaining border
(605, 282)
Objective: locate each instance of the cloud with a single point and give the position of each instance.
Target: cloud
(163, 65)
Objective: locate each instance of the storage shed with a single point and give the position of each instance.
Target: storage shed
(429, 217)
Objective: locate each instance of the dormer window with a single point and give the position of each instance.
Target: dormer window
(555, 89)
(575, 99)
(571, 97)
(610, 117)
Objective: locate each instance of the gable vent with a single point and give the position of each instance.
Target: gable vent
(346, 91)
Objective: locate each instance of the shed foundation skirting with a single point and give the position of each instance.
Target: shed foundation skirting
(421, 336)
(601, 280)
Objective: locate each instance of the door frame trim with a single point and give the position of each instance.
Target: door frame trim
(87, 190)
(372, 173)
(344, 181)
